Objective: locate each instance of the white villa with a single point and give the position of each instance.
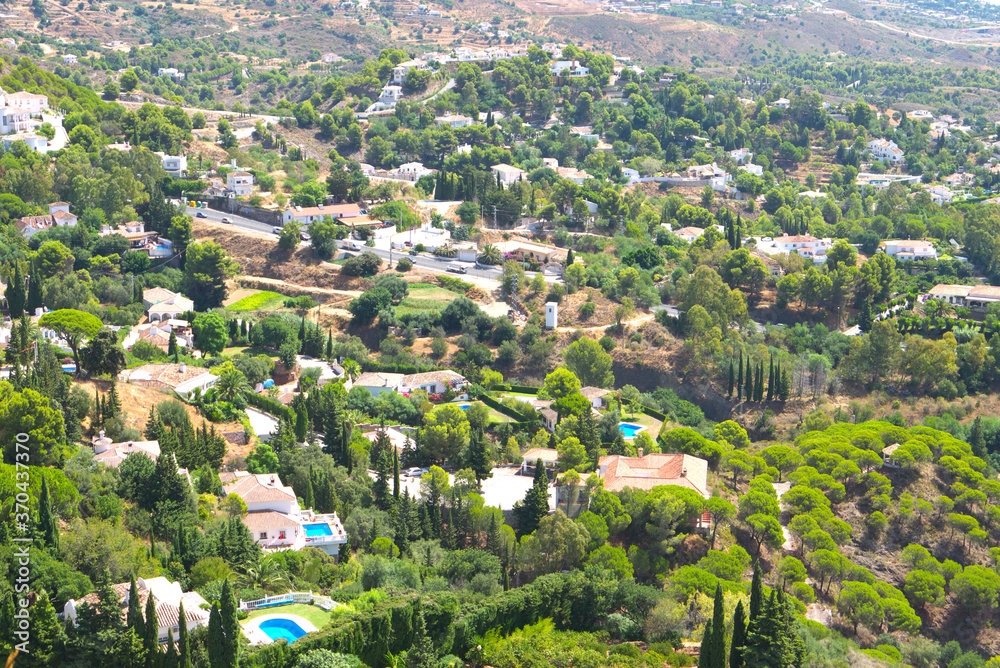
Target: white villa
(689, 234)
(454, 120)
(804, 245)
(173, 165)
(432, 382)
(400, 71)
(240, 183)
(275, 518)
(571, 68)
(972, 296)
(309, 214)
(59, 216)
(507, 173)
(911, 250)
(167, 597)
(162, 304)
(883, 149)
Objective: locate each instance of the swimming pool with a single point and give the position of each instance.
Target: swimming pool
(314, 530)
(629, 430)
(464, 407)
(282, 627)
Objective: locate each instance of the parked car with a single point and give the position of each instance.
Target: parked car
(458, 270)
(350, 245)
(416, 471)
(414, 253)
(226, 220)
(200, 214)
(304, 236)
(276, 230)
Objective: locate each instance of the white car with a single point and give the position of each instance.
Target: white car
(416, 472)
(276, 230)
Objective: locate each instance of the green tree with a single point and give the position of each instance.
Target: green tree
(47, 526)
(103, 355)
(73, 327)
(445, 432)
(16, 294)
(561, 383)
(206, 268)
(530, 511)
(861, 604)
(210, 333)
(739, 638)
(590, 362)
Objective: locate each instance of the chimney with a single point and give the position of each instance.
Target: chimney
(684, 473)
(102, 434)
(182, 367)
(640, 452)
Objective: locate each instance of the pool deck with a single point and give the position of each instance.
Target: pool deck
(257, 637)
(641, 428)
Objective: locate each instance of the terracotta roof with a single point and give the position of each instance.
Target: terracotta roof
(260, 488)
(346, 210)
(119, 452)
(985, 292)
(796, 238)
(376, 379)
(653, 470)
(240, 173)
(63, 214)
(547, 455)
(269, 520)
(155, 295)
(592, 393)
(947, 290)
(443, 376)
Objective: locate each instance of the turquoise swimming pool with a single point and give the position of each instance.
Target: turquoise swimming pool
(629, 430)
(282, 628)
(314, 530)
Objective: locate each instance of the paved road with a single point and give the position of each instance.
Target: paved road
(424, 260)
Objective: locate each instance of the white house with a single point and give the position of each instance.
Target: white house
(113, 454)
(410, 171)
(59, 216)
(400, 71)
(631, 174)
(69, 58)
(910, 250)
(167, 597)
(940, 194)
(804, 245)
(740, 156)
(751, 168)
(689, 234)
(507, 173)
(171, 72)
(309, 214)
(35, 142)
(162, 304)
(573, 174)
(274, 516)
(432, 382)
(13, 120)
(240, 183)
(454, 120)
(782, 103)
(883, 149)
(142, 240)
(174, 165)
(390, 95)
(570, 68)
(33, 103)
(331, 58)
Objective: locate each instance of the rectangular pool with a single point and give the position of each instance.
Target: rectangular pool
(314, 530)
(628, 429)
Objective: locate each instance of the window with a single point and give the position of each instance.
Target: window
(281, 536)
(263, 535)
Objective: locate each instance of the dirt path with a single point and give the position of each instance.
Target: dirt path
(601, 328)
(301, 288)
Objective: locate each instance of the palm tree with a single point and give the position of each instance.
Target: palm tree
(351, 368)
(231, 384)
(265, 574)
(490, 255)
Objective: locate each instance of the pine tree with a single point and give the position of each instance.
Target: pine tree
(748, 388)
(47, 526)
(216, 639)
(422, 653)
(785, 387)
(7, 621)
(151, 639)
(402, 516)
(114, 406)
(493, 545)
(756, 592)
(230, 627)
(47, 637)
(732, 378)
(739, 637)
(739, 381)
(479, 457)
(770, 379)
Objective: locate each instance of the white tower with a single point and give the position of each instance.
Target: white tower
(551, 315)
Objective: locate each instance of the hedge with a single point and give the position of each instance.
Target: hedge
(571, 600)
(272, 406)
(654, 414)
(372, 365)
(524, 389)
(500, 408)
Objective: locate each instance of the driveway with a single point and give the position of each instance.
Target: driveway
(502, 491)
(263, 424)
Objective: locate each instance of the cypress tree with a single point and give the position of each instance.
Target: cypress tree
(230, 627)
(758, 390)
(114, 405)
(151, 640)
(329, 344)
(729, 391)
(133, 618)
(536, 502)
(170, 657)
(739, 381)
(748, 388)
(34, 291)
(395, 475)
(718, 638)
(739, 637)
(706, 658)
(301, 422)
(216, 639)
(976, 440)
(770, 379)
(46, 522)
(569, 253)
(785, 388)
(493, 537)
(422, 653)
(308, 494)
(756, 592)
(7, 620)
(15, 293)
(738, 233)
(172, 347)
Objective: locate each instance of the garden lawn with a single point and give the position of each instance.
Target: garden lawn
(315, 614)
(425, 298)
(264, 299)
(652, 424)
